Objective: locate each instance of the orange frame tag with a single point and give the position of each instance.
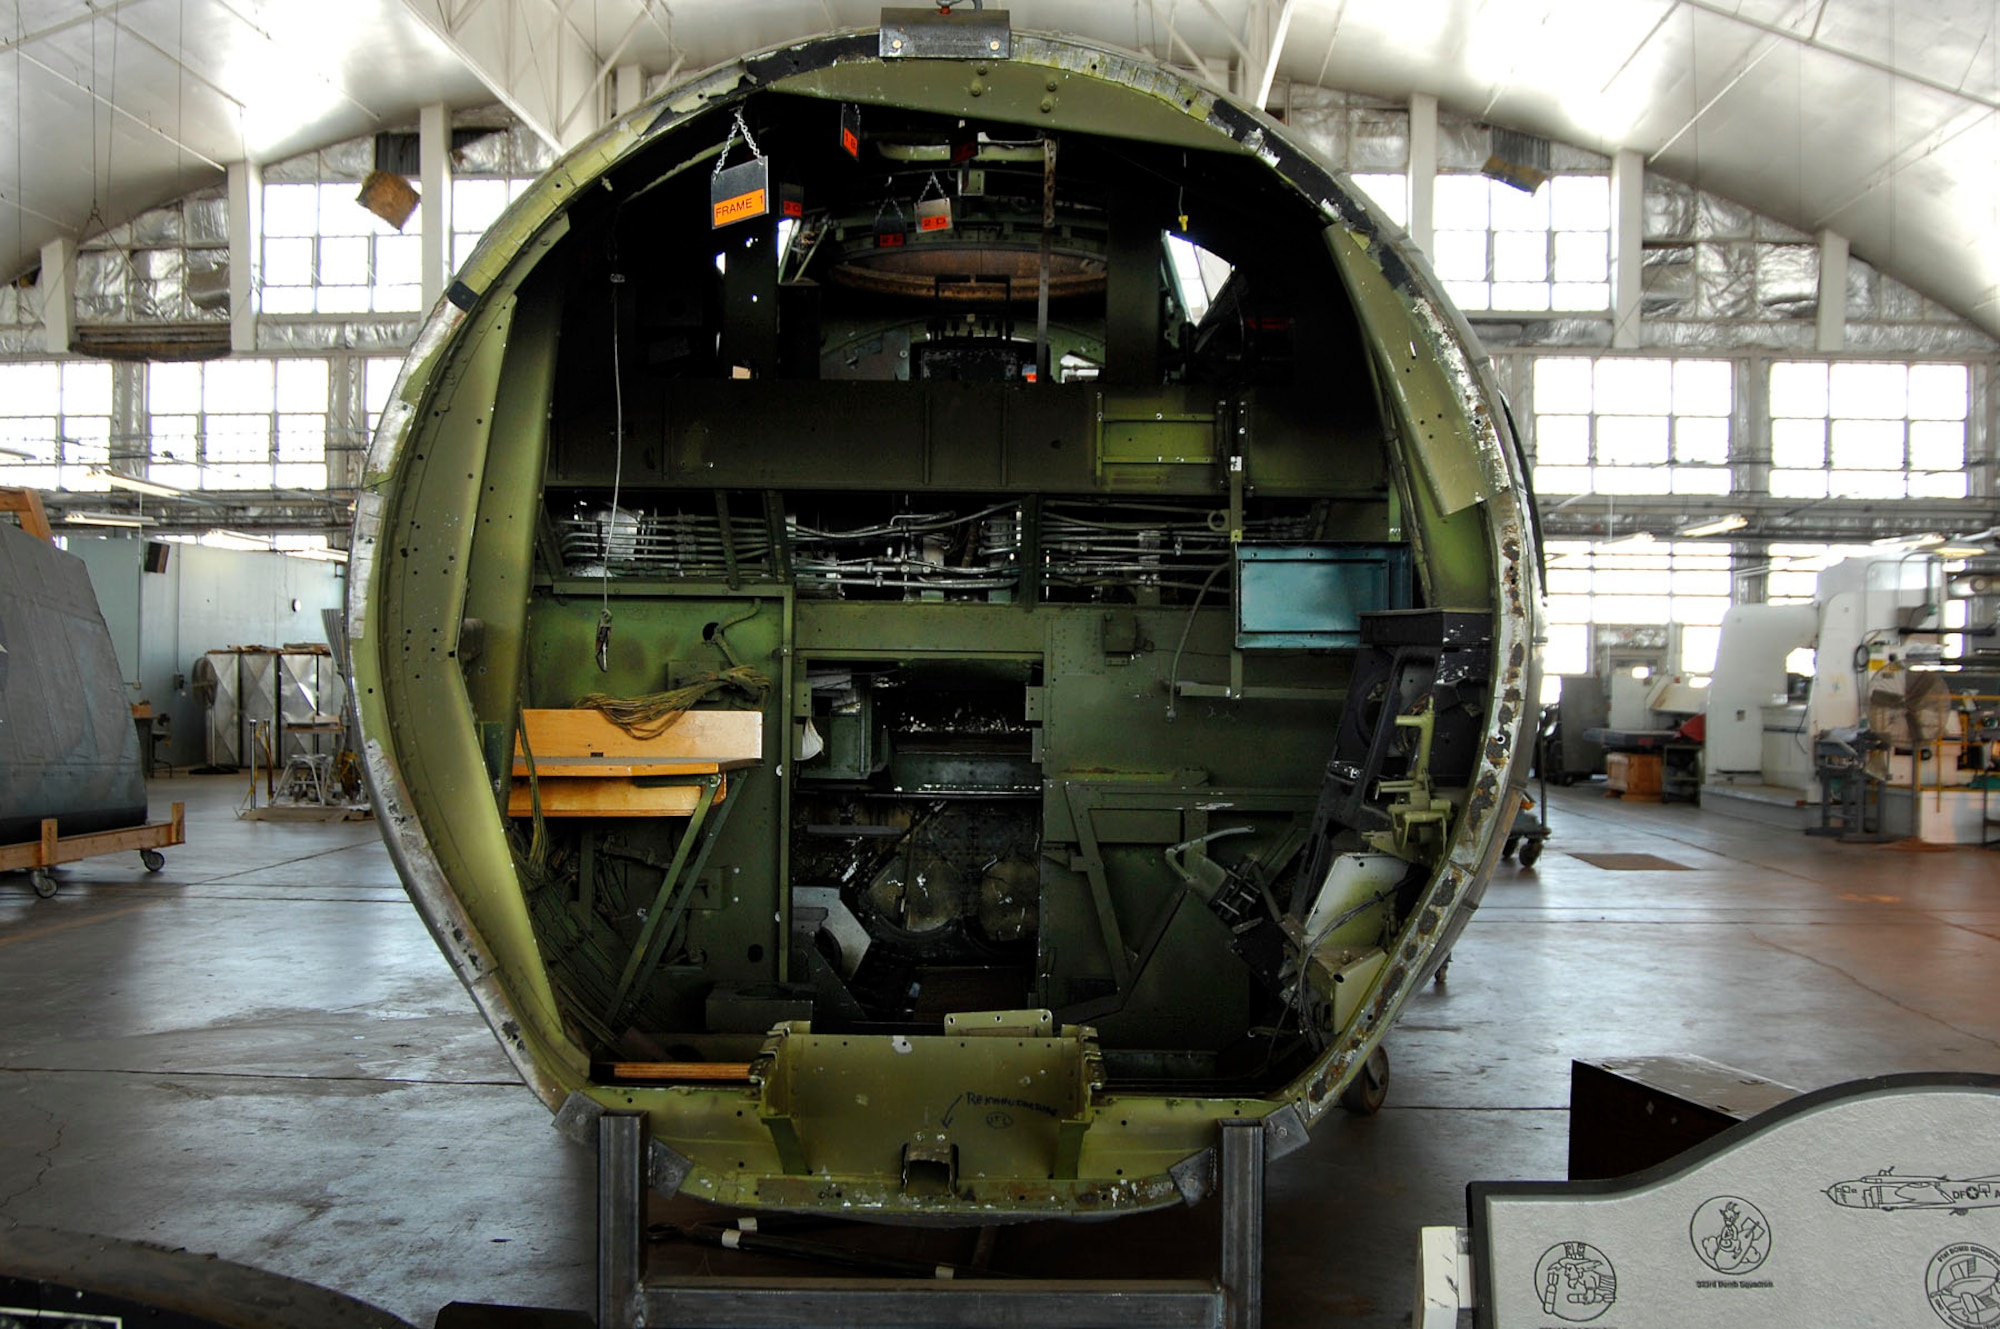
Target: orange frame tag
(934, 215)
(740, 193)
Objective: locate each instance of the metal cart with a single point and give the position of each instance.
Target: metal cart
(1524, 841)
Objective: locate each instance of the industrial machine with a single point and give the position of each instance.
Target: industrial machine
(1904, 693)
(941, 611)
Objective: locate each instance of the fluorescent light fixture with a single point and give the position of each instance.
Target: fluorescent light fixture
(1735, 521)
(106, 519)
(119, 480)
(1637, 540)
(248, 544)
(22, 453)
(1960, 551)
(1907, 541)
(317, 555)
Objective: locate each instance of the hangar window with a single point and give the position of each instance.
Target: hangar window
(1198, 276)
(55, 423)
(378, 380)
(1497, 248)
(475, 205)
(1793, 574)
(1853, 429)
(1637, 580)
(1629, 425)
(1388, 191)
(238, 424)
(326, 254)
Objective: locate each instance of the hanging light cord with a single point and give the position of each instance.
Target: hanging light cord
(617, 479)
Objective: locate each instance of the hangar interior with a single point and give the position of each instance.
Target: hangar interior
(1726, 265)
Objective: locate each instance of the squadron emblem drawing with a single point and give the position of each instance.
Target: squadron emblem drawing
(1730, 1234)
(1576, 1281)
(1963, 1284)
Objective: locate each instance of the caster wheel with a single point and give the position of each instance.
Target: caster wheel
(1507, 849)
(153, 859)
(1364, 1096)
(43, 882)
(1530, 852)
(1442, 970)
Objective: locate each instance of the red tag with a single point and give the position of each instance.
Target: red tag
(890, 239)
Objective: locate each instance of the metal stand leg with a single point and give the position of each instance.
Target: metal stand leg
(1243, 1222)
(621, 1217)
(626, 1300)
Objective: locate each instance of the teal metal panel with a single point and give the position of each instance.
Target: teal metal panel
(1290, 597)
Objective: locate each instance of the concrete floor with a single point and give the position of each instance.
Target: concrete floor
(258, 1052)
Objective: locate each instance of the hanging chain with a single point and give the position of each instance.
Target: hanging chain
(739, 129)
(889, 200)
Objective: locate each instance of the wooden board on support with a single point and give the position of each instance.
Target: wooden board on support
(715, 740)
(607, 798)
(586, 766)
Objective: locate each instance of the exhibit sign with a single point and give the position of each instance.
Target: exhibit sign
(1876, 1202)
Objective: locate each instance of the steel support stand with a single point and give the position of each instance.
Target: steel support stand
(621, 1218)
(626, 1300)
(1243, 1223)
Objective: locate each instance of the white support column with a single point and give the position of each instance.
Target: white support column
(1628, 234)
(246, 253)
(1272, 27)
(1420, 184)
(1832, 292)
(434, 163)
(58, 317)
(628, 89)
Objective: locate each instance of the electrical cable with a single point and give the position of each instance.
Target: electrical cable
(1174, 673)
(617, 478)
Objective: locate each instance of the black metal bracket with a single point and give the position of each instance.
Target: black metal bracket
(627, 1300)
(934, 33)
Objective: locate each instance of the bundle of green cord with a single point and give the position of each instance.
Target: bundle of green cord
(655, 713)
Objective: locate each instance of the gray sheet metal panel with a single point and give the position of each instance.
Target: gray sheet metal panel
(68, 748)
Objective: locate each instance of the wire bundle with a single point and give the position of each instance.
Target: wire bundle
(654, 713)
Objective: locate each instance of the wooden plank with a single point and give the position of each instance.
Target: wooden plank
(723, 1071)
(26, 504)
(556, 768)
(53, 849)
(606, 798)
(156, 835)
(731, 739)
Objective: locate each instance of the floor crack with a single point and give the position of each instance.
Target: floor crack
(46, 1156)
(1874, 991)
